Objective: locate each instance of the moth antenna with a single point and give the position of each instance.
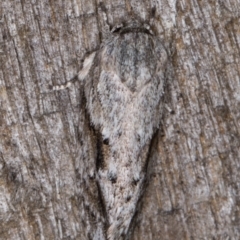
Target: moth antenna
(105, 24)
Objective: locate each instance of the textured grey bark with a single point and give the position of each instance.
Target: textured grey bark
(47, 145)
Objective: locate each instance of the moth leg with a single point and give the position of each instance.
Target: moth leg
(64, 86)
(169, 109)
(87, 64)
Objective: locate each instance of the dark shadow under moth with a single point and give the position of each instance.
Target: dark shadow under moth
(124, 85)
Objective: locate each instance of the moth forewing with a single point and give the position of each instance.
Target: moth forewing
(124, 84)
(128, 95)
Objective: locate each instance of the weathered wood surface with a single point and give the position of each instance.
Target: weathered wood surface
(47, 187)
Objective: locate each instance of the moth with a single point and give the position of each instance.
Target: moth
(123, 84)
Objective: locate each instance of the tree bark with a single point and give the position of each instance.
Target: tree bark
(47, 146)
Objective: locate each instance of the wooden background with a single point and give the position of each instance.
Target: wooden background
(46, 190)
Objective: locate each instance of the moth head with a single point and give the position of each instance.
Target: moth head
(132, 26)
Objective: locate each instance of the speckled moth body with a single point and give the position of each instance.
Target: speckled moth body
(124, 85)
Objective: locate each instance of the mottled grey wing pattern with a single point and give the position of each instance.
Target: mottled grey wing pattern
(123, 85)
(124, 99)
